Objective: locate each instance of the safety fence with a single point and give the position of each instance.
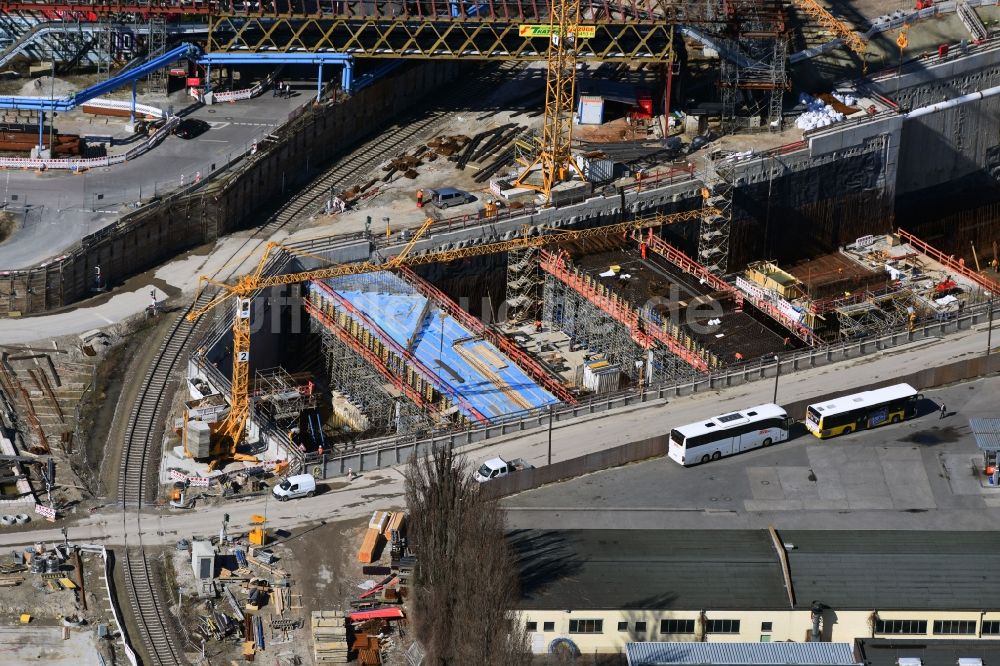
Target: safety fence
(108, 557)
(82, 164)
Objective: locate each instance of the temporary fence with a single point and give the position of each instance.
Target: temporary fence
(82, 164)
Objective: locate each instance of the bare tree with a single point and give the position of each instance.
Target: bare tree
(465, 583)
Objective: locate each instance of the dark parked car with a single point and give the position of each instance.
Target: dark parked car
(190, 128)
(446, 197)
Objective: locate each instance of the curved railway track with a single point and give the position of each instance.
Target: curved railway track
(142, 445)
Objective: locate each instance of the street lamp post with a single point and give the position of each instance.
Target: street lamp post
(777, 374)
(551, 410)
(989, 328)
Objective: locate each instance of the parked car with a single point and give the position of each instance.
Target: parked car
(189, 128)
(496, 468)
(300, 485)
(446, 197)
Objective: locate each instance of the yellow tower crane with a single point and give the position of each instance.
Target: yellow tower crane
(231, 433)
(555, 159)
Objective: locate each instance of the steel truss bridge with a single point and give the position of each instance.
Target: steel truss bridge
(611, 31)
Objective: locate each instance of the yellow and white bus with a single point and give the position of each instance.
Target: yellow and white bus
(868, 409)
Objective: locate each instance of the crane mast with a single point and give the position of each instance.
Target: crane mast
(555, 158)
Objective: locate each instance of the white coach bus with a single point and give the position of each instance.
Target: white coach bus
(727, 434)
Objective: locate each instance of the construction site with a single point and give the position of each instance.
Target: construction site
(253, 252)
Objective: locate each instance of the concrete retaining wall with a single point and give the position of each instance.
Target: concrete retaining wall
(160, 231)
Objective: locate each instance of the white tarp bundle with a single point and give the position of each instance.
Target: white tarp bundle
(819, 114)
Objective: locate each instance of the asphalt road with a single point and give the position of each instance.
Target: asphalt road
(863, 481)
(920, 474)
(56, 209)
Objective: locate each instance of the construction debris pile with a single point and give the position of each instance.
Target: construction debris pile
(243, 596)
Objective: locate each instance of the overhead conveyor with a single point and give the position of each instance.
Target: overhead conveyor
(62, 104)
(53, 105)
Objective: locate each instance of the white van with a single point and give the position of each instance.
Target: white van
(300, 485)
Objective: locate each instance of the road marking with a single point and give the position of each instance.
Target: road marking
(213, 140)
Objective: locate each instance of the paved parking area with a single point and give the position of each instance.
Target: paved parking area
(920, 474)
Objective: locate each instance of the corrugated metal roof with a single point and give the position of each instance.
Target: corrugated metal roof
(984, 425)
(740, 654)
(987, 433)
(988, 441)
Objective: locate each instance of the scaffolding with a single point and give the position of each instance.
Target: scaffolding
(277, 393)
(523, 286)
(590, 328)
(878, 314)
(717, 219)
(753, 86)
(353, 376)
(600, 321)
(156, 40)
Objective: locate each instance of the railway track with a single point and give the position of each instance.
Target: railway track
(390, 142)
(142, 445)
(137, 472)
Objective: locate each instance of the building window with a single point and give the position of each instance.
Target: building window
(623, 626)
(901, 627)
(991, 627)
(531, 626)
(548, 626)
(765, 638)
(955, 627)
(722, 627)
(640, 627)
(766, 627)
(586, 626)
(676, 626)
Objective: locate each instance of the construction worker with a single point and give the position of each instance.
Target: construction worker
(738, 356)
(944, 411)
(538, 326)
(788, 341)
(420, 198)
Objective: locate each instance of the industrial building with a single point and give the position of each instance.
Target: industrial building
(600, 590)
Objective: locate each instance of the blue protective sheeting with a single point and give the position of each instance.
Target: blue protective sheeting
(405, 315)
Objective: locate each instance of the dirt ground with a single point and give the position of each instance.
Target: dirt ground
(48, 609)
(324, 574)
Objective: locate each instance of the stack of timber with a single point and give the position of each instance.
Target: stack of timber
(371, 546)
(330, 644)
